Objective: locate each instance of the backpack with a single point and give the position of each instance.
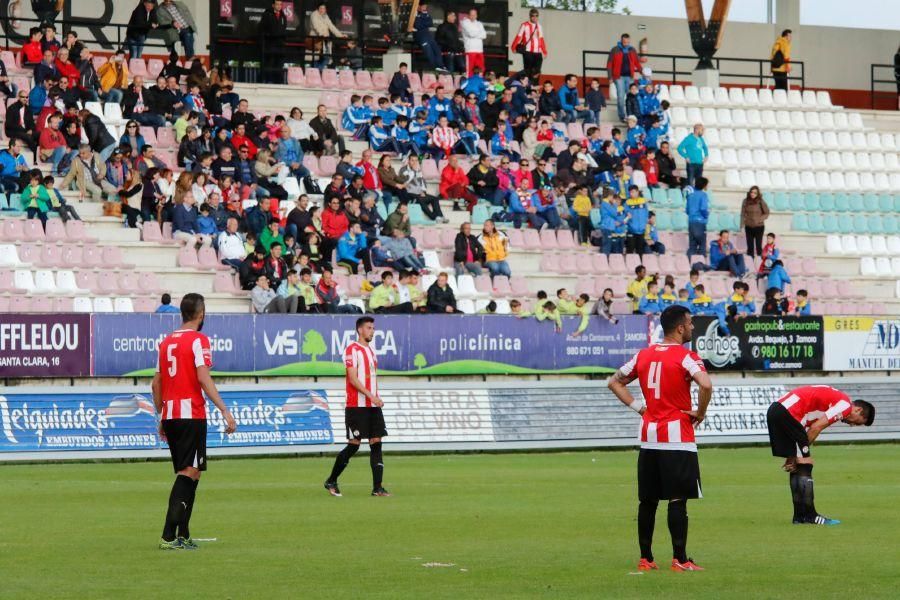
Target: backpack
(311, 185)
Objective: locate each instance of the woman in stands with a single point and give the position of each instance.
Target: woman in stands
(496, 249)
(132, 138)
(130, 196)
(301, 130)
(754, 212)
(393, 184)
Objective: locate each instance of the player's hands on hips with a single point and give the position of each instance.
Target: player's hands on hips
(230, 424)
(377, 402)
(162, 432)
(695, 415)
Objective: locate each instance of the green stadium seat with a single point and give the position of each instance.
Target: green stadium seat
(886, 203)
(857, 204)
(891, 225)
(780, 201)
(876, 224)
(813, 203)
(676, 197)
(799, 222)
(680, 221)
(897, 203)
(797, 201)
(379, 206)
(417, 216)
(829, 223)
(595, 218)
(480, 214)
(870, 202)
(842, 202)
(826, 202)
(664, 220)
(659, 196)
(712, 223)
(860, 224)
(814, 223)
(4, 202)
(845, 224)
(645, 192)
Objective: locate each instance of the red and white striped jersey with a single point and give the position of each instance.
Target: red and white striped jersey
(665, 373)
(444, 138)
(180, 355)
(809, 402)
(362, 360)
(532, 35)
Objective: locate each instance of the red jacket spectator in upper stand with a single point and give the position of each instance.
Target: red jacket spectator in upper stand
(65, 66)
(32, 53)
(455, 185)
(650, 168)
(623, 65)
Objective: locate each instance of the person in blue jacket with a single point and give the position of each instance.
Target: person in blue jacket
(739, 304)
(723, 256)
(573, 107)
(694, 150)
(650, 302)
(656, 134)
(703, 305)
(633, 132)
(697, 208)
(386, 112)
(380, 137)
(438, 105)
(612, 222)
(778, 276)
(803, 308)
(475, 85)
(401, 136)
(353, 250)
(668, 298)
(423, 36)
(636, 207)
(356, 118)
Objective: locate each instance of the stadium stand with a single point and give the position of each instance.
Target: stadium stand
(829, 176)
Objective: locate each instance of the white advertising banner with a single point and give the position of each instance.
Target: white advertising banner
(862, 344)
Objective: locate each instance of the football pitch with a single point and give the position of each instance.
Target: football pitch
(554, 525)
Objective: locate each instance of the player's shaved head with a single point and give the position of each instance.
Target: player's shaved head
(193, 307)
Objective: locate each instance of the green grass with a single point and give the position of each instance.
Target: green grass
(556, 525)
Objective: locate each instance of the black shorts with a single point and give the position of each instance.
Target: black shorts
(786, 435)
(668, 475)
(187, 442)
(364, 423)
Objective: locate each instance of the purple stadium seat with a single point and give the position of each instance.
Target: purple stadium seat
(621, 307)
(651, 261)
(8, 283)
(617, 264)
(108, 285)
(519, 286)
(364, 80)
(19, 304)
(429, 82)
(829, 289)
(682, 265)
(187, 258)
(149, 284)
(502, 286)
(295, 76)
(209, 260)
(516, 239)
(583, 265)
(599, 264)
(56, 230)
(585, 285)
(128, 283)
(531, 239)
(550, 263)
(87, 280)
(431, 238)
(51, 256)
(380, 80)
(548, 240)
(143, 304)
(313, 78)
(568, 263)
(483, 284)
(155, 67)
(565, 240)
(150, 232)
(92, 258)
(14, 230)
(138, 67)
(667, 265)
(632, 261)
(330, 79)
(78, 233)
(448, 238)
(619, 286)
(62, 305)
(72, 257)
(112, 258)
(847, 290)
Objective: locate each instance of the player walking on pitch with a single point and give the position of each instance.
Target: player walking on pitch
(795, 422)
(362, 417)
(668, 468)
(182, 375)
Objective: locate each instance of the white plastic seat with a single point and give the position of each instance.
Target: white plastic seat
(9, 257)
(851, 179)
(729, 157)
(811, 119)
(95, 108)
(112, 113)
(798, 121)
(867, 267)
(845, 160)
(754, 118)
(466, 286)
(735, 96)
(103, 305)
(741, 137)
(864, 245)
(866, 181)
(786, 139)
(801, 139)
(804, 159)
(826, 120)
(772, 139)
(893, 245)
(873, 140)
(712, 137)
(292, 187)
(841, 121)
(818, 160)
(783, 118)
(745, 157)
(895, 266)
(855, 121)
(466, 306)
(774, 158)
(358, 303)
(762, 179)
(875, 161)
(432, 260)
(721, 96)
(662, 93)
(723, 117)
(739, 117)
(676, 93)
(694, 116)
(24, 280)
(82, 304)
(44, 283)
(779, 182)
(830, 140)
(794, 98)
(503, 307)
(779, 98)
(757, 138)
(882, 182)
(639, 178)
(765, 97)
(823, 99)
(691, 95)
(789, 159)
(848, 243)
(707, 96)
(836, 180)
(123, 305)
(807, 180)
(715, 158)
(726, 137)
(66, 284)
(768, 118)
(732, 178)
(751, 96)
(883, 267)
(809, 99)
(894, 181)
(833, 245)
(679, 115)
(888, 142)
(792, 179)
(879, 246)
(844, 140)
(760, 159)
(748, 179)
(708, 116)
(823, 180)
(833, 159)
(891, 161)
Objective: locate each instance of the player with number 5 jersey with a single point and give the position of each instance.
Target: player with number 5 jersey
(182, 377)
(668, 468)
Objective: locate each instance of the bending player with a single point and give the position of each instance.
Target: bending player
(362, 417)
(795, 422)
(668, 468)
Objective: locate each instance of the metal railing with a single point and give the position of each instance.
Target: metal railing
(109, 36)
(667, 68)
(875, 94)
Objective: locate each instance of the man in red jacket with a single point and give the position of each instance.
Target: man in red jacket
(334, 225)
(622, 65)
(455, 185)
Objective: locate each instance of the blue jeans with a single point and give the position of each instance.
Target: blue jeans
(234, 263)
(472, 267)
(611, 245)
(36, 213)
(107, 152)
(432, 52)
(498, 267)
(10, 183)
(622, 85)
(696, 239)
(149, 119)
(57, 156)
(734, 264)
(693, 172)
(411, 262)
(135, 45)
(551, 215)
(113, 95)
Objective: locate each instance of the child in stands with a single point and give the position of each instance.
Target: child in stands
(802, 308)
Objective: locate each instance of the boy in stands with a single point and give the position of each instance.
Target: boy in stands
(795, 422)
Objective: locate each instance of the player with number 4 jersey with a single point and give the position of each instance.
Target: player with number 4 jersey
(795, 422)
(668, 468)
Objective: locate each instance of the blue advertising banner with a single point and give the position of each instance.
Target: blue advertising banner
(102, 421)
(313, 345)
